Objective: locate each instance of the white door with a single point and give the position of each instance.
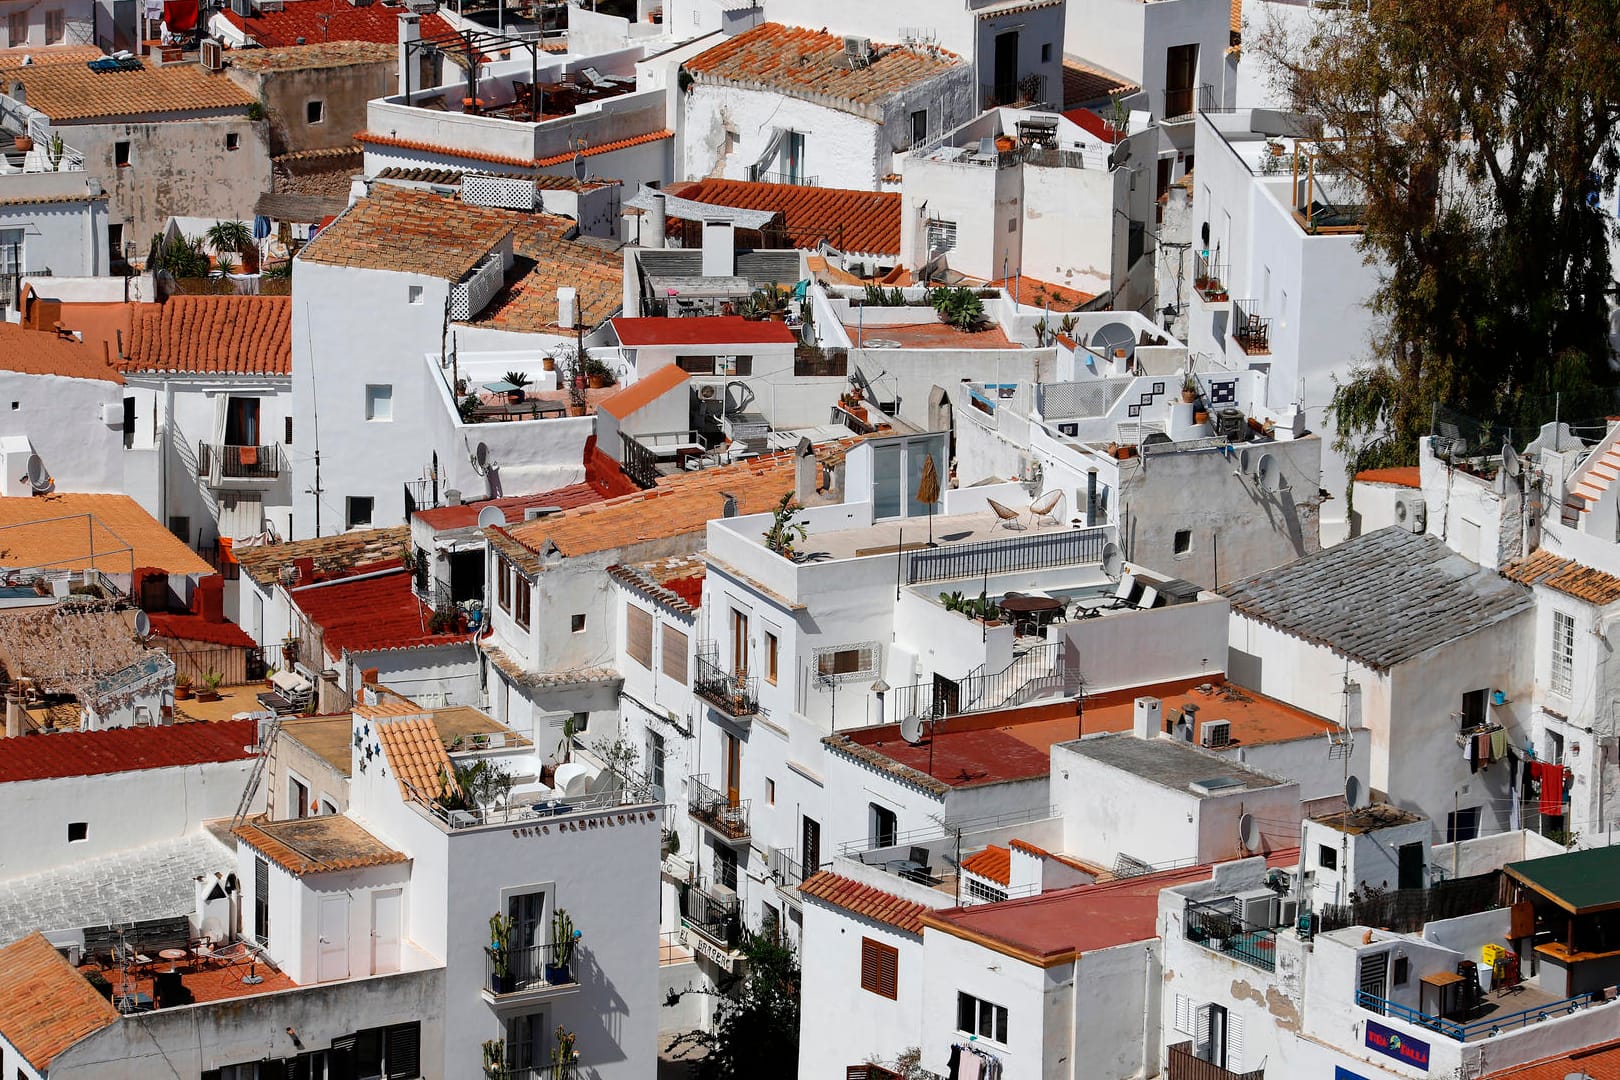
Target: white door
(385, 918)
(332, 962)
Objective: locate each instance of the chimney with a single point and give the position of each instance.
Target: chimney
(805, 470)
(14, 713)
(410, 29)
(1148, 720)
(655, 224)
(566, 306)
(719, 249)
(1091, 497)
(729, 507)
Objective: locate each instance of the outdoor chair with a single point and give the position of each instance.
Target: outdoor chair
(1046, 506)
(1009, 517)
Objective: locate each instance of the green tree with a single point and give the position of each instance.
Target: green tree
(756, 1029)
(1477, 133)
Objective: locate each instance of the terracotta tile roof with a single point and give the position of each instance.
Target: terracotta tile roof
(60, 54)
(131, 749)
(222, 335)
(317, 845)
(43, 352)
(66, 92)
(675, 582)
(645, 390)
(1601, 1062)
(1037, 293)
(46, 1006)
(932, 335)
(1028, 849)
(864, 900)
(411, 231)
(867, 222)
(330, 20)
(320, 54)
(379, 139)
(124, 536)
(1237, 20)
(994, 863)
(50, 200)
(520, 674)
(417, 755)
(371, 613)
(1083, 83)
(546, 262)
(807, 63)
(1566, 575)
(450, 177)
(713, 330)
(325, 557)
(191, 627)
(465, 515)
(1402, 476)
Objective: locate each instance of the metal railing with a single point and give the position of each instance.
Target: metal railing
(1209, 276)
(796, 179)
(533, 810)
(1031, 673)
(1187, 1065)
(221, 462)
(736, 695)
(1251, 331)
(1029, 90)
(785, 868)
(1181, 102)
(716, 810)
(1220, 930)
(715, 918)
(640, 463)
(1010, 555)
(1494, 1024)
(530, 967)
(811, 360)
(424, 493)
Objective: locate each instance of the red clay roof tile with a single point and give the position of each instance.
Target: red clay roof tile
(66, 92)
(798, 62)
(647, 389)
(715, 330)
(42, 352)
(861, 899)
(994, 863)
(465, 515)
(865, 222)
(1597, 1062)
(1401, 475)
(370, 613)
(116, 750)
(317, 845)
(330, 20)
(222, 335)
(1565, 575)
(46, 1006)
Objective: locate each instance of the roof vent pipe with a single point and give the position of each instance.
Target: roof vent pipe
(657, 223)
(567, 302)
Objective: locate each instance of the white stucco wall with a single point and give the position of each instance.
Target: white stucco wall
(841, 1023)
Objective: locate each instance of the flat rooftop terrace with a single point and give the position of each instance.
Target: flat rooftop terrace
(887, 537)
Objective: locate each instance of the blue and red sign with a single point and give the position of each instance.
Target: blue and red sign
(1403, 1048)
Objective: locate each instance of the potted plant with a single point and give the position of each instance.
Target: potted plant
(229, 238)
(548, 363)
(270, 677)
(518, 380)
(495, 1059)
(786, 528)
(24, 143)
(182, 687)
(210, 686)
(500, 951)
(563, 1055)
(597, 374)
(563, 936)
(1189, 390)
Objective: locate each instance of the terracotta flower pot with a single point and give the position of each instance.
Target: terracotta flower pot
(182, 693)
(1200, 417)
(576, 410)
(548, 364)
(24, 143)
(594, 382)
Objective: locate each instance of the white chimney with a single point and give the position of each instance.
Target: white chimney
(410, 29)
(14, 714)
(655, 224)
(805, 470)
(719, 249)
(1149, 718)
(567, 301)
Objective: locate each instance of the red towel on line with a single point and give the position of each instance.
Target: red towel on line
(1551, 778)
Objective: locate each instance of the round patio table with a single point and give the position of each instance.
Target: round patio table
(1032, 611)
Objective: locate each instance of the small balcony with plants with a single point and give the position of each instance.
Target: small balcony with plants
(514, 1059)
(1219, 929)
(225, 467)
(521, 974)
(712, 919)
(724, 817)
(1209, 278)
(733, 693)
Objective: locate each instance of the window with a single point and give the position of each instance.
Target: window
(1046, 52)
(359, 510)
(1563, 654)
(739, 642)
(261, 902)
(880, 968)
(882, 826)
(725, 867)
(233, 141)
(1327, 858)
(919, 127)
(770, 792)
(847, 664)
(1473, 708)
(655, 761)
(287, 435)
(414, 294)
(328, 807)
(503, 584)
(17, 28)
(1400, 972)
(55, 26)
(115, 242)
(695, 365)
(734, 365)
(11, 251)
(812, 846)
(770, 657)
(770, 921)
(576, 623)
(379, 402)
(1183, 541)
(638, 635)
(121, 155)
(314, 112)
(521, 593)
(1462, 824)
(78, 831)
(297, 797)
(1012, 224)
(981, 1018)
(180, 526)
(983, 893)
(673, 654)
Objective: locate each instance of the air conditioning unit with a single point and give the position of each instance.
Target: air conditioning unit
(1213, 734)
(1258, 909)
(1231, 424)
(212, 55)
(708, 392)
(1411, 512)
(723, 892)
(1069, 429)
(858, 51)
(1287, 912)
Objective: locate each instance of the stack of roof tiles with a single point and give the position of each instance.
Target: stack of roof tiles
(217, 335)
(800, 63)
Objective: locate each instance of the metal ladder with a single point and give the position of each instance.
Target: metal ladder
(266, 749)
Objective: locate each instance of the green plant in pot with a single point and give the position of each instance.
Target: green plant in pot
(495, 1060)
(598, 374)
(500, 951)
(563, 939)
(519, 381)
(563, 1055)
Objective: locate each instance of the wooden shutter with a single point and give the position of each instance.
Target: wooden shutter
(674, 654)
(1234, 1042)
(638, 634)
(404, 1045)
(880, 968)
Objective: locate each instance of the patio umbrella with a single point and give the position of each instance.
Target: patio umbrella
(928, 492)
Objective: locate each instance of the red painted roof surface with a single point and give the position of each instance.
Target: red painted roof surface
(874, 904)
(1036, 293)
(1403, 476)
(370, 613)
(233, 335)
(647, 389)
(190, 627)
(1095, 124)
(95, 753)
(466, 515)
(1599, 1062)
(378, 139)
(993, 863)
(861, 221)
(689, 589)
(330, 20)
(714, 330)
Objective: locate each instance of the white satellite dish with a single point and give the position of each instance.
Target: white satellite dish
(1113, 561)
(1510, 460)
(1267, 473)
(911, 729)
(38, 478)
(1249, 832)
(1354, 796)
(143, 624)
(491, 515)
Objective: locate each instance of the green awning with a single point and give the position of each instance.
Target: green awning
(1581, 882)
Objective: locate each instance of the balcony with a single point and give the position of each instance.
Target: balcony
(1209, 278)
(1219, 930)
(1029, 90)
(1185, 1064)
(524, 975)
(1251, 331)
(716, 812)
(1182, 103)
(225, 466)
(1542, 1007)
(737, 696)
(795, 178)
(711, 920)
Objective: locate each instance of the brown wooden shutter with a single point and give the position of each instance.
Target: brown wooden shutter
(674, 654)
(880, 968)
(638, 627)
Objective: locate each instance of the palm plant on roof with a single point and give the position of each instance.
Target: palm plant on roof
(234, 237)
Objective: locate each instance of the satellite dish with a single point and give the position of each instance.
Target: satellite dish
(1249, 832)
(143, 624)
(1121, 154)
(481, 456)
(1113, 336)
(1267, 473)
(1246, 459)
(1113, 561)
(1353, 794)
(491, 515)
(911, 729)
(38, 478)
(1510, 460)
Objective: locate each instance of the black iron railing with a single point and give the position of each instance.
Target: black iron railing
(219, 461)
(797, 179)
(736, 695)
(1181, 101)
(1221, 930)
(785, 868)
(1250, 330)
(640, 462)
(716, 810)
(531, 967)
(714, 917)
(1031, 675)
(1013, 554)
(1209, 276)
